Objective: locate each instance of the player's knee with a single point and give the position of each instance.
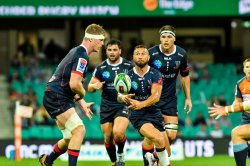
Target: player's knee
(234, 134)
(75, 126)
(66, 134)
(79, 131)
(171, 137)
(159, 142)
(66, 141)
(171, 129)
(147, 142)
(118, 135)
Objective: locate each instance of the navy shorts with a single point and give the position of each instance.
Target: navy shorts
(109, 113)
(168, 106)
(245, 118)
(155, 118)
(56, 104)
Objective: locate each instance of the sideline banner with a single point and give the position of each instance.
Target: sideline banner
(94, 149)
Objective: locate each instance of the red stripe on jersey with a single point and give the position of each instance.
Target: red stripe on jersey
(185, 70)
(77, 72)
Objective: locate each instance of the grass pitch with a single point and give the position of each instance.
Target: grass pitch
(218, 160)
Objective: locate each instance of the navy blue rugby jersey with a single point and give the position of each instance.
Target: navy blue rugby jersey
(141, 85)
(170, 65)
(107, 72)
(75, 61)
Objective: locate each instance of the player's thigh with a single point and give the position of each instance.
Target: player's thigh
(149, 131)
(242, 131)
(107, 129)
(120, 124)
(63, 118)
(170, 119)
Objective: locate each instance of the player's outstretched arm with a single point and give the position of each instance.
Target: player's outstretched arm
(94, 84)
(86, 108)
(218, 111)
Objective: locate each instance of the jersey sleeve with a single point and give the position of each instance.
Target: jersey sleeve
(157, 78)
(97, 74)
(80, 65)
(184, 68)
(237, 91)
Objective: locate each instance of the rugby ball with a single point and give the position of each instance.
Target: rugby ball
(122, 83)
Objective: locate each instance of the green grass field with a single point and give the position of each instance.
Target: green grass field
(219, 160)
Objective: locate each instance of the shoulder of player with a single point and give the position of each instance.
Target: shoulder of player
(127, 62)
(154, 50)
(102, 65)
(181, 51)
(241, 80)
(154, 71)
(79, 52)
(131, 71)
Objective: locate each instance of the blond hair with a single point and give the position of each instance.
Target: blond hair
(245, 61)
(95, 29)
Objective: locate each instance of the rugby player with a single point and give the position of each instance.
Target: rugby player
(241, 134)
(114, 115)
(170, 60)
(64, 89)
(146, 87)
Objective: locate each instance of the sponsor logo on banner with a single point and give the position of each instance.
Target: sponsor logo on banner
(81, 66)
(244, 6)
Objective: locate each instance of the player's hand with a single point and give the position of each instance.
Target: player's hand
(217, 111)
(188, 105)
(86, 108)
(135, 105)
(126, 98)
(98, 85)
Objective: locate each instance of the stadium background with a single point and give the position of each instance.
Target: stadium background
(35, 35)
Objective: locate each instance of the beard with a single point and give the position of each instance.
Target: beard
(141, 64)
(113, 59)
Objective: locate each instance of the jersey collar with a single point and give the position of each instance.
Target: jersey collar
(84, 48)
(139, 74)
(167, 54)
(120, 62)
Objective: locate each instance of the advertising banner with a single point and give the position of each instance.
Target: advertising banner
(95, 150)
(128, 8)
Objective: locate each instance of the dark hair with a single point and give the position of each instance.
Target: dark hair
(140, 46)
(114, 42)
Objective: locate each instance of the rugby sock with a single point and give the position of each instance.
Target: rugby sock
(54, 154)
(111, 151)
(163, 156)
(121, 144)
(73, 155)
(144, 151)
(240, 154)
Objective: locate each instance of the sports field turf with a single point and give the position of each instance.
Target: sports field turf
(218, 160)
